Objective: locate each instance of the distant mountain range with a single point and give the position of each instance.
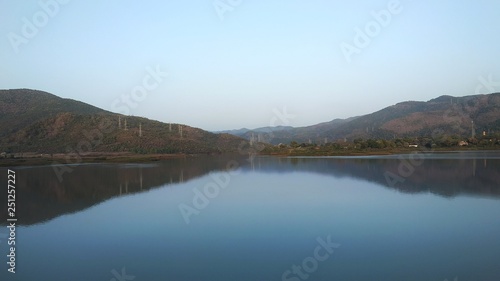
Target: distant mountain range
(36, 121)
(446, 114)
(245, 131)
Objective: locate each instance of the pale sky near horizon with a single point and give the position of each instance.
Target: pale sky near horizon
(235, 68)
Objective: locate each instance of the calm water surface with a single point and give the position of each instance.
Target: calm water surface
(434, 217)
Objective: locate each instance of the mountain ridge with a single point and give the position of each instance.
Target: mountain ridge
(37, 121)
(446, 114)
(40, 122)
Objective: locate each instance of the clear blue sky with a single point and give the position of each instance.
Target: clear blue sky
(230, 72)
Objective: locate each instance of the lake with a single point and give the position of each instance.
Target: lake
(412, 217)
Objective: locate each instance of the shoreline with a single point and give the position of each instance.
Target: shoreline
(380, 152)
(44, 159)
(31, 159)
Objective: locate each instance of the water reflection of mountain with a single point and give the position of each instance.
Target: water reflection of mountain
(41, 197)
(438, 175)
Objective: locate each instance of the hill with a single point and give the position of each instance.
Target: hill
(446, 114)
(36, 121)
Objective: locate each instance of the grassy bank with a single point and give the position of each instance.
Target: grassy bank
(318, 151)
(28, 159)
(45, 159)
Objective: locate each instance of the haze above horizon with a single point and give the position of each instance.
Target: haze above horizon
(230, 64)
